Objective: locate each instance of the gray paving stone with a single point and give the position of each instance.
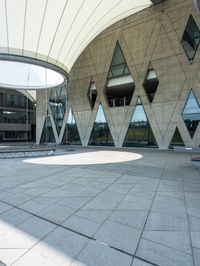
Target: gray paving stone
(119, 236)
(162, 255)
(4, 207)
(169, 208)
(160, 221)
(179, 240)
(74, 202)
(81, 225)
(14, 216)
(99, 255)
(36, 227)
(134, 219)
(61, 246)
(138, 262)
(134, 206)
(196, 253)
(97, 216)
(195, 236)
(194, 223)
(56, 213)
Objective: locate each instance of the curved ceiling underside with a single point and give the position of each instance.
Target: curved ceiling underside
(58, 31)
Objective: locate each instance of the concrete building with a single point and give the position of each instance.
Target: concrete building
(135, 84)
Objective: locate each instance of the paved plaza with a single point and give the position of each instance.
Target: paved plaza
(100, 207)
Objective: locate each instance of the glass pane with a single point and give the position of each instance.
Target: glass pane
(47, 133)
(139, 131)
(71, 134)
(191, 114)
(191, 38)
(119, 66)
(176, 139)
(58, 103)
(101, 135)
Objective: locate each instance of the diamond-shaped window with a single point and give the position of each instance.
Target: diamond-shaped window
(191, 39)
(151, 84)
(191, 114)
(92, 94)
(120, 86)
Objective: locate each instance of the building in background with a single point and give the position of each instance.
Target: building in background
(17, 117)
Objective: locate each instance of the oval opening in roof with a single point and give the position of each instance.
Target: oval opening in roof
(26, 73)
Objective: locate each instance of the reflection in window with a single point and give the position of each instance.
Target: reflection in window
(191, 38)
(139, 131)
(47, 133)
(71, 134)
(176, 139)
(15, 117)
(58, 102)
(191, 114)
(101, 135)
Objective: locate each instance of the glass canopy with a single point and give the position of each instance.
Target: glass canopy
(19, 75)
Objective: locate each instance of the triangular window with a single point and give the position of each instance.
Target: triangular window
(176, 139)
(139, 132)
(118, 66)
(58, 103)
(101, 135)
(191, 38)
(71, 134)
(191, 114)
(47, 133)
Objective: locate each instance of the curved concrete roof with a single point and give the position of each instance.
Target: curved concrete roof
(57, 31)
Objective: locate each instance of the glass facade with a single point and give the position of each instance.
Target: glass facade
(16, 101)
(191, 114)
(47, 133)
(139, 131)
(176, 139)
(58, 103)
(151, 84)
(71, 135)
(15, 117)
(101, 135)
(16, 112)
(191, 38)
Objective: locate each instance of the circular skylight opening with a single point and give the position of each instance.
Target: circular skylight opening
(15, 74)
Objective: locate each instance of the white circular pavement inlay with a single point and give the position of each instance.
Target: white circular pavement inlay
(87, 158)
